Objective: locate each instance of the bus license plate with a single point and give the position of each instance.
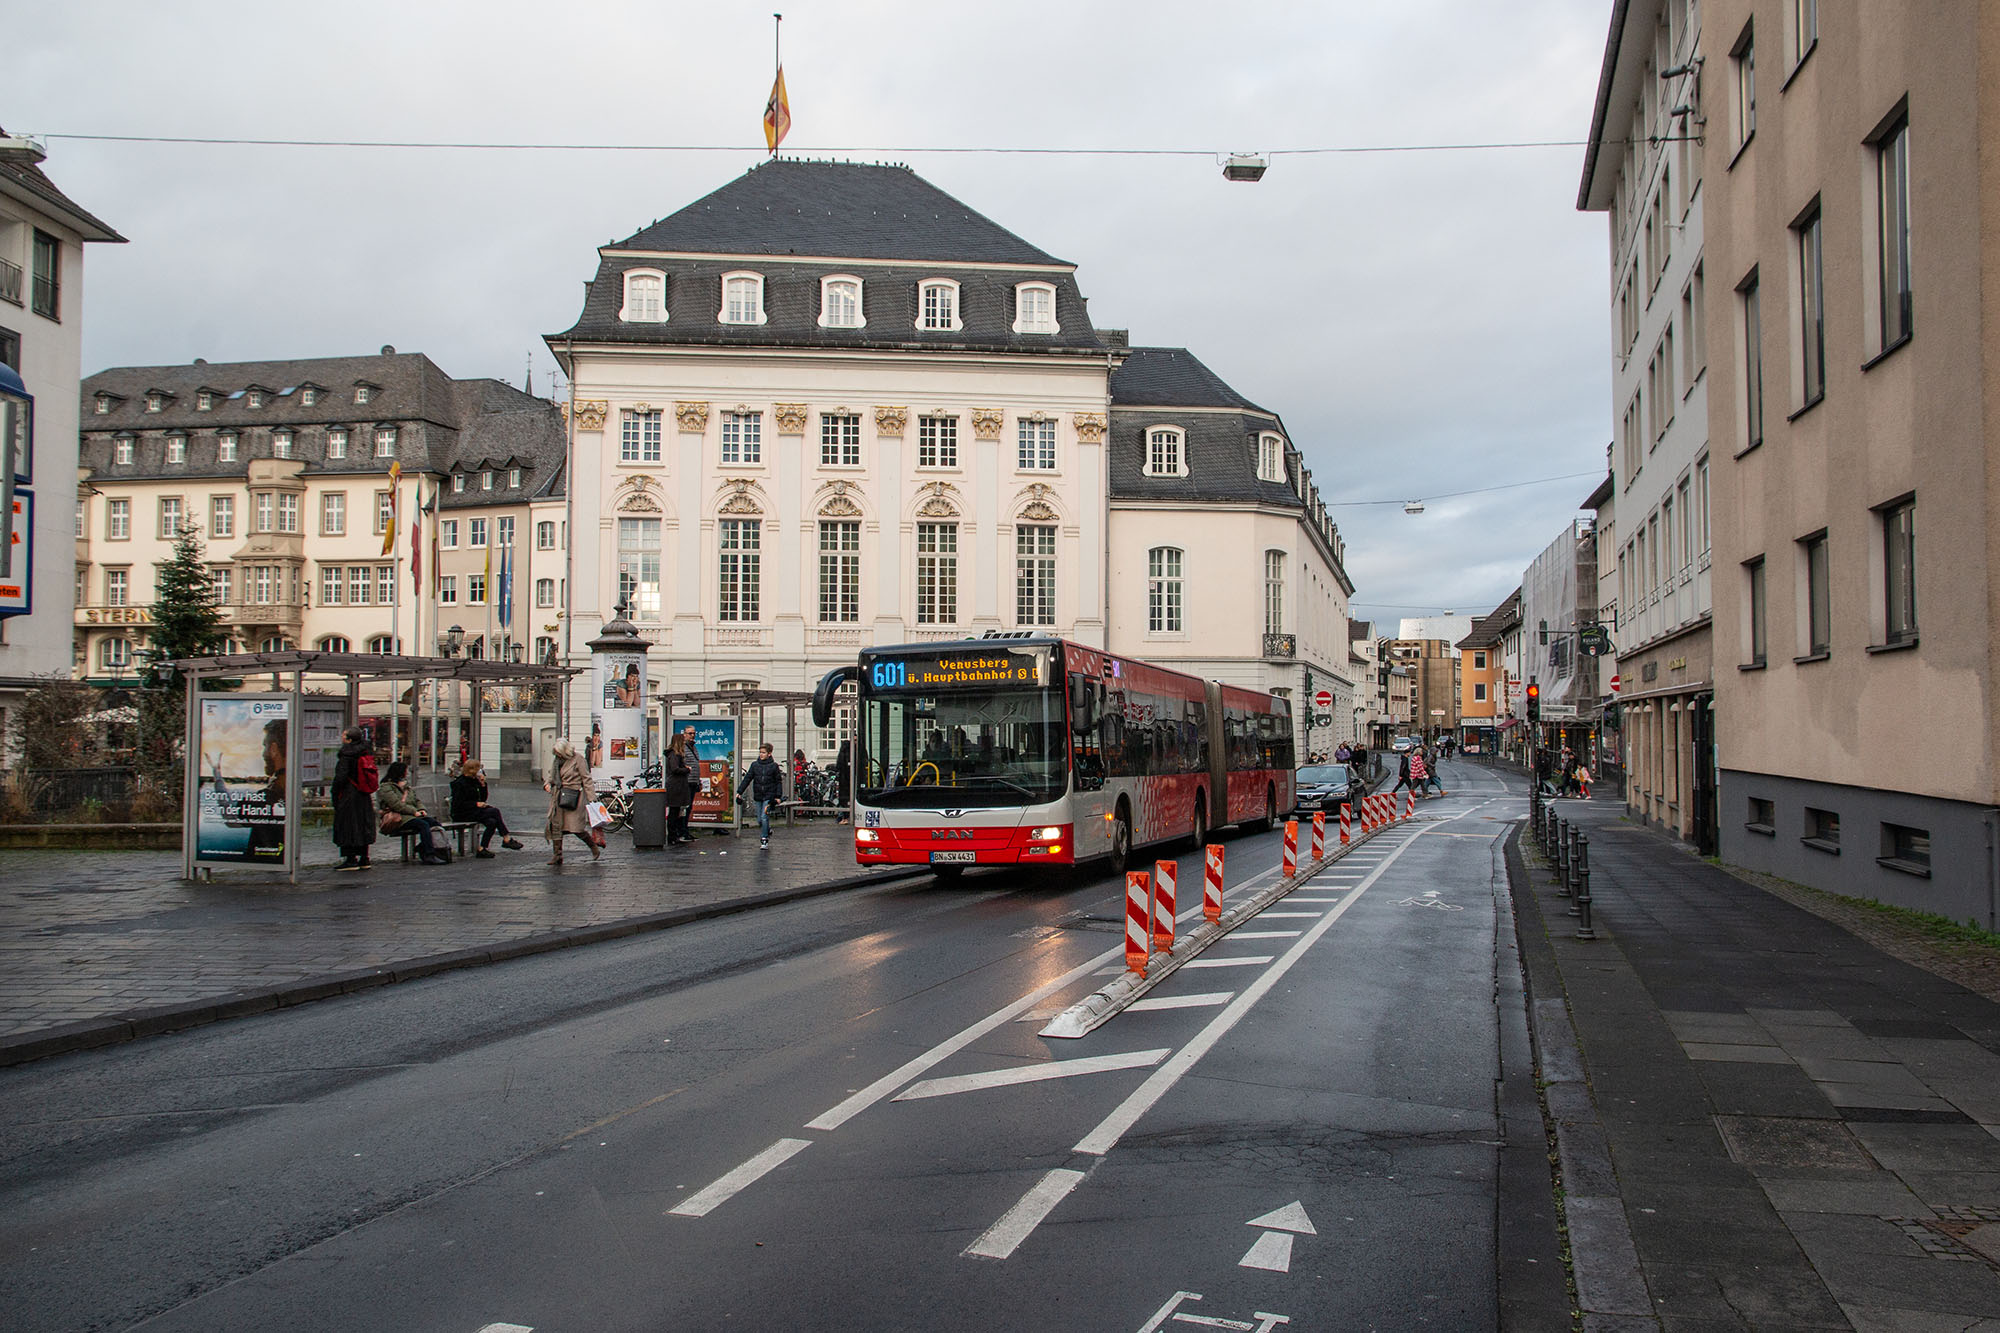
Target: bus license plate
(953, 858)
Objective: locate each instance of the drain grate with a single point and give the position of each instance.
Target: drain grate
(1755, 1140)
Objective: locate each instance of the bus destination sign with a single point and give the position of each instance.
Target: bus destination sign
(960, 671)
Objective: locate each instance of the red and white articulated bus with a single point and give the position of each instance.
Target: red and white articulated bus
(1028, 750)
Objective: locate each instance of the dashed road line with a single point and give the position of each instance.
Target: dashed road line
(708, 1200)
(1034, 1073)
(1005, 1236)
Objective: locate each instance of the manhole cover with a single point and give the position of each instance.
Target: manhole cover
(1755, 1140)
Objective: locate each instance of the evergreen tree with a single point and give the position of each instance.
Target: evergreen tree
(186, 623)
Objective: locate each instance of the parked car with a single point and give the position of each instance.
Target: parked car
(1325, 787)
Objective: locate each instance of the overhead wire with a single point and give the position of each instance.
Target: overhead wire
(1452, 495)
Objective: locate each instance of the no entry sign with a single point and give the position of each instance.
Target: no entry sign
(1324, 699)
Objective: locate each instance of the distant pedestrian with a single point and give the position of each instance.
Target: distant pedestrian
(469, 806)
(766, 782)
(1405, 773)
(570, 790)
(403, 813)
(1431, 776)
(354, 800)
(1583, 781)
(1344, 754)
(799, 770)
(843, 777)
(681, 783)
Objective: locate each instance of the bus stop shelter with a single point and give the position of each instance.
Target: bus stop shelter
(738, 705)
(253, 751)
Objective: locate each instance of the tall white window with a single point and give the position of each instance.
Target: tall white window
(222, 516)
(281, 444)
(1743, 61)
(840, 302)
(1892, 197)
(385, 512)
(1037, 444)
(739, 568)
(1035, 308)
(385, 584)
(937, 441)
(937, 305)
(264, 585)
(330, 585)
(336, 443)
(639, 566)
(475, 533)
(742, 299)
(117, 587)
(1274, 592)
(458, 483)
(121, 450)
(1163, 452)
(937, 573)
(225, 448)
(475, 589)
(503, 531)
(545, 592)
(171, 514)
(204, 401)
(486, 479)
(288, 511)
(840, 571)
(1035, 574)
(385, 441)
(360, 586)
(1163, 590)
(265, 505)
(448, 590)
(222, 583)
(639, 436)
(545, 535)
(645, 292)
(177, 449)
(742, 437)
(840, 440)
(308, 395)
(1270, 457)
(116, 654)
(333, 514)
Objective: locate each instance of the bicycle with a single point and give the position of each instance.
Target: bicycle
(617, 803)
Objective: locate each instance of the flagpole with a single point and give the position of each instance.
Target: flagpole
(395, 612)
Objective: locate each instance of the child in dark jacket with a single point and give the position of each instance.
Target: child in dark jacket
(766, 782)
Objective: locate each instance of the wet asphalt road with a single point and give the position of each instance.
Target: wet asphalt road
(813, 1117)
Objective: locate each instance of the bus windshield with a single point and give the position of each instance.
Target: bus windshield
(994, 747)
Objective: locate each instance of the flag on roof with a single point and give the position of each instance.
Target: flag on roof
(777, 114)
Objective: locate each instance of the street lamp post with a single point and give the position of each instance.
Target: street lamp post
(449, 642)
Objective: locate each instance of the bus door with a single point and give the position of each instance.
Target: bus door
(1089, 794)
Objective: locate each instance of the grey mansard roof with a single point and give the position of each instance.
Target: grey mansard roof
(798, 222)
(1167, 386)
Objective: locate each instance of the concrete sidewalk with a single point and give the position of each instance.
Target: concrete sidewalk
(97, 947)
(1764, 1121)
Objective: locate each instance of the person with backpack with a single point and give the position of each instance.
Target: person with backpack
(403, 813)
(355, 781)
(766, 782)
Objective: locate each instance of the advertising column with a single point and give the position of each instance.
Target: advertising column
(615, 747)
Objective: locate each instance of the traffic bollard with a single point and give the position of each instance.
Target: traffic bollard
(1409, 805)
(1211, 891)
(1164, 874)
(1346, 823)
(1569, 868)
(1559, 858)
(1291, 848)
(1583, 927)
(1319, 836)
(1138, 920)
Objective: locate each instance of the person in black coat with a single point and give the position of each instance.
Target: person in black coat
(766, 782)
(678, 781)
(353, 808)
(468, 806)
(843, 769)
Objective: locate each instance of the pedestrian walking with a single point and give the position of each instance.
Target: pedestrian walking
(570, 790)
(799, 770)
(403, 813)
(1343, 754)
(681, 783)
(766, 782)
(1431, 774)
(1420, 771)
(1404, 770)
(1583, 781)
(469, 806)
(843, 770)
(354, 784)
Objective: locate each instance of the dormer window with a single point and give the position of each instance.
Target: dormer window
(1035, 308)
(645, 297)
(937, 305)
(336, 443)
(385, 441)
(363, 392)
(281, 444)
(103, 404)
(177, 448)
(1166, 452)
(308, 395)
(458, 483)
(225, 447)
(513, 478)
(486, 480)
(154, 402)
(256, 398)
(742, 298)
(1270, 457)
(840, 302)
(204, 401)
(121, 451)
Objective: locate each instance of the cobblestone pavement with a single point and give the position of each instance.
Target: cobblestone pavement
(93, 935)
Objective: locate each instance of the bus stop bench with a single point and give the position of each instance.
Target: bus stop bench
(458, 829)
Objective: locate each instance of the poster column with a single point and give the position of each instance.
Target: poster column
(617, 703)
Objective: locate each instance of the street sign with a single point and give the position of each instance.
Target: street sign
(1322, 719)
(1437, 712)
(1324, 699)
(1614, 684)
(1593, 641)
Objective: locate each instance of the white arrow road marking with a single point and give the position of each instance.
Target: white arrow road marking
(1212, 999)
(1292, 1217)
(1036, 1073)
(706, 1202)
(1272, 1252)
(508, 1328)
(1003, 1236)
(1254, 960)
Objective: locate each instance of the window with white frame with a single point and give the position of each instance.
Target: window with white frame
(256, 397)
(840, 440)
(937, 441)
(363, 392)
(360, 585)
(172, 513)
(1035, 574)
(222, 583)
(937, 305)
(331, 585)
(645, 297)
(1037, 444)
(334, 643)
(639, 436)
(281, 444)
(1035, 308)
(545, 650)
(383, 643)
(742, 298)
(204, 401)
(545, 535)
(264, 585)
(336, 443)
(475, 533)
(513, 478)
(1163, 590)
(458, 483)
(486, 479)
(154, 402)
(333, 514)
(385, 441)
(115, 654)
(225, 447)
(385, 584)
(1163, 452)
(177, 449)
(1274, 592)
(81, 511)
(739, 568)
(288, 511)
(475, 589)
(742, 437)
(503, 531)
(117, 586)
(308, 395)
(448, 590)
(1270, 457)
(121, 451)
(264, 505)
(937, 573)
(639, 566)
(840, 302)
(448, 534)
(222, 516)
(839, 571)
(385, 512)
(545, 592)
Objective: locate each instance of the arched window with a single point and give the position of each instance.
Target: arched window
(1274, 592)
(645, 297)
(742, 298)
(937, 304)
(333, 643)
(545, 592)
(381, 643)
(840, 302)
(1270, 457)
(1163, 590)
(545, 650)
(1166, 452)
(276, 644)
(1035, 308)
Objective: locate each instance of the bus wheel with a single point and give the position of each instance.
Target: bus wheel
(1200, 821)
(1270, 809)
(1121, 840)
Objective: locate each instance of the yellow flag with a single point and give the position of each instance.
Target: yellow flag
(389, 528)
(777, 114)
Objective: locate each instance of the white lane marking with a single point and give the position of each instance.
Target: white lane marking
(1035, 1073)
(1272, 1252)
(1262, 935)
(1273, 916)
(1254, 960)
(1004, 1236)
(706, 1202)
(1295, 898)
(507, 1328)
(1292, 1217)
(1212, 999)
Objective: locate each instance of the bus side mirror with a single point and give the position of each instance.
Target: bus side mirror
(829, 685)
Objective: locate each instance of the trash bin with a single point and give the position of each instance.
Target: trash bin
(649, 818)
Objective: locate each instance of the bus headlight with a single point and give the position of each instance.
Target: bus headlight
(867, 835)
(1045, 834)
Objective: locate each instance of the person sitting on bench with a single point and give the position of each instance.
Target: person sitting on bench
(468, 806)
(402, 813)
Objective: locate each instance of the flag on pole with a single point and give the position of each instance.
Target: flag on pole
(389, 528)
(507, 588)
(777, 115)
(430, 511)
(417, 546)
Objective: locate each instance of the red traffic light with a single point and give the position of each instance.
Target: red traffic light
(1534, 691)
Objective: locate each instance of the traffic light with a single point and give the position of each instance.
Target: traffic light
(1534, 702)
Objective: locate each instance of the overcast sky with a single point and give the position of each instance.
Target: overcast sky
(1425, 322)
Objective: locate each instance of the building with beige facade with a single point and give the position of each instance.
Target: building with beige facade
(1851, 225)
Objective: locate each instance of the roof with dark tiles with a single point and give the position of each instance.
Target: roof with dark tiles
(1168, 386)
(20, 169)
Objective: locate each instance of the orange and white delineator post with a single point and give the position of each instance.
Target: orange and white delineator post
(1291, 848)
(1211, 891)
(1164, 874)
(1319, 835)
(1409, 805)
(1138, 920)
(1346, 823)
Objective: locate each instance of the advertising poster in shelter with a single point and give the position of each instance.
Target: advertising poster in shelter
(715, 759)
(241, 747)
(320, 723)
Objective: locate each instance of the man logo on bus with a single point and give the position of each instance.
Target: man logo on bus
(941, 833)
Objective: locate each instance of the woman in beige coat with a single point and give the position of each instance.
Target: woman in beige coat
(567, 772)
